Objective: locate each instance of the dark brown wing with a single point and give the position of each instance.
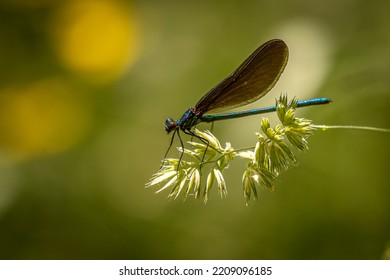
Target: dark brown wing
(250, 81)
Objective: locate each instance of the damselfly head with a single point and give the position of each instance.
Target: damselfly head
(170, 125)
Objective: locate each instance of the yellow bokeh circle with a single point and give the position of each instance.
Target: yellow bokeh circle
(40, 119)
(95, 37)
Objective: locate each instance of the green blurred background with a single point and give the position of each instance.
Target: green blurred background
(85, 87)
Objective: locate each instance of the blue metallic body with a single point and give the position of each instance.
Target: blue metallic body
(232, 115)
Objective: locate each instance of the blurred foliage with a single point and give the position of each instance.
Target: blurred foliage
(85, 87)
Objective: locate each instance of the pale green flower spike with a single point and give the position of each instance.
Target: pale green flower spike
(271, 155)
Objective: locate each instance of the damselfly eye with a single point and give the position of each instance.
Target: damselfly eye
(170, 125)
